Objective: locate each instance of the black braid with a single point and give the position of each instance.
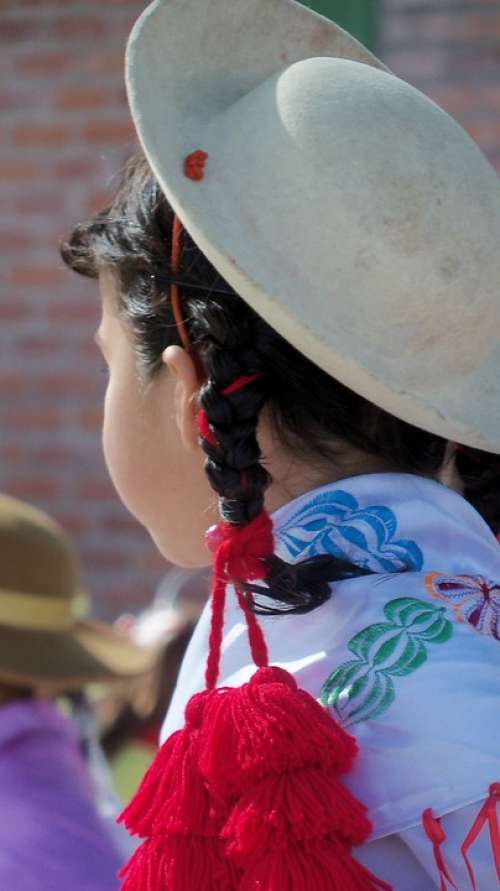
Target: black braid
(233, 464)
(229, 352)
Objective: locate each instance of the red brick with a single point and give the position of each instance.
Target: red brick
(87, 311)
(43, 3)
(13, 454)
(75, 524)
(32, 488)
(46, 203)
(441, 27)
(109, 132)
(18, 169)
(486, 131)
(121, 523)
(12, 382)
(154, 562)
(97, 200)
(456, 99)
(490, 98)
(15, 240)
(37, 275)
(79, 27)
(12, 100)
(66, 383)
(416, 65)
(43, 135)
(14, 310)
(55, 454)
(76, 168)
(43, 62)
(25, 28)
(91, 419)
(105, 559)
(96, 490)
(39, 344)
(76, 98)
(35, 419)
(105, 62)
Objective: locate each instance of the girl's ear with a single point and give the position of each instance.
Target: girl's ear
(186, 383)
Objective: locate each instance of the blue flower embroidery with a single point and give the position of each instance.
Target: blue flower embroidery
(333, 523)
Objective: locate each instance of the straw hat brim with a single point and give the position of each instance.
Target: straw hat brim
(87, 653)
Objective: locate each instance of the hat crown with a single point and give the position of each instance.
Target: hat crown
(37, 556)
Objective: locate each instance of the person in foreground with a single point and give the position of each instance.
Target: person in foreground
(52, 836)
(301, 310)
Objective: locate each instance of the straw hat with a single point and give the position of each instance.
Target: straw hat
(350, 211)
(41, 640)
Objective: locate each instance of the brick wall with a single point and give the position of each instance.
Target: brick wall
(65, 134)
(451, 50)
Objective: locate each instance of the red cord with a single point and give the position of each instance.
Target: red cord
(487, 814)
(258, 646)
(175, 300)
(217, 624)
(241, 382)
(436, 834)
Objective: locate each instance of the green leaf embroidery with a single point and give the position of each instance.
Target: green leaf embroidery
(412, 657)
(381, 695)
(361, 643)
(362, 688)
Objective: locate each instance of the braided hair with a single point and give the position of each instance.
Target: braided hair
(233, 343)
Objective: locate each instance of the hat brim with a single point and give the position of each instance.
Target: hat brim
(196, 75)
(87, 653)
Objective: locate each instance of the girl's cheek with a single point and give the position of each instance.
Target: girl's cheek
(123, 448)
(114, 443)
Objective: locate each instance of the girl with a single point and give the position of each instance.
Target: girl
(323, 345)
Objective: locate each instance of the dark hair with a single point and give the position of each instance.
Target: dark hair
(133, 237)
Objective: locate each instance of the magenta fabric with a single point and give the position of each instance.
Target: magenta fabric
(51, 838)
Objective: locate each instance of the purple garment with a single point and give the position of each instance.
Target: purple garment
(51, 837)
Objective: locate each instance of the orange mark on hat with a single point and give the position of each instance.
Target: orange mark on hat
(194, 165)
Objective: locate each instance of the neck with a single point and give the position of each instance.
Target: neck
(292, 477)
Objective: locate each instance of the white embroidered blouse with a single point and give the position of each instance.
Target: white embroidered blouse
(407, 659)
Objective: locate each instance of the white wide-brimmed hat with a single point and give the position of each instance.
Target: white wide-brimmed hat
(351, 212)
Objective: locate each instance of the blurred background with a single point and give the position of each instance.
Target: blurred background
(65, 135)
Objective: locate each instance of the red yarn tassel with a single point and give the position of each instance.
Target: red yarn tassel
(324, 867)
(179, 862)
(273, 751)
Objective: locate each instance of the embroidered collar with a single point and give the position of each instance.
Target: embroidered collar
(387, 522)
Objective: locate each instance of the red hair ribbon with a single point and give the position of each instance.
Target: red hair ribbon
(175, 301)
(238, 384)
(487, 814)
(194, 167)
(436, 834)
